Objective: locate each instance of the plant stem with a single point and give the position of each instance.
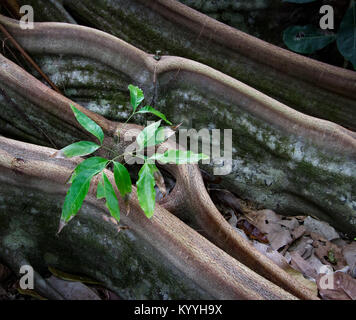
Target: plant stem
(130, 117)
(122, 155)
(109, 149)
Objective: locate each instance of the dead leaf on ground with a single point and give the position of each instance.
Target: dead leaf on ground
(349, 252)
(298, 232)
(303, 246)
(327, 252)
(290, 223)
(298, 263)
(342, 288)
(251, 231)
(273, 255)
(315, 262)
(276, 229)
(320, 227)
(282, 262)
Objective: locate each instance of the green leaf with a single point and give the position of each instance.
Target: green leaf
(306, 39)
(152, 167)
(111, 200)
(88, 124)
(92, 165)
(81, 148)
(179, 157)
(158, 138)
(80, 180)
(346, 38)
(146, 190)
(299, 1)
(149, 109)
(76, 195)
(331, 257)
(100, 192)
(148, 136)
(122, 179)
(136, 96)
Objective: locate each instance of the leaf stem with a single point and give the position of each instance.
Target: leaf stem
(122, 155)
(109, 149)
(129, 118)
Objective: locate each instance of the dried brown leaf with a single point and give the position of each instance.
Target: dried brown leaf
(343, 287)
(327, 252)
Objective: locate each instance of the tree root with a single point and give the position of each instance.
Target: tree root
(196, 199)
(307, 85)
(156, 258)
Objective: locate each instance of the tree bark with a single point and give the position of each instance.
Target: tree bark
(309, 86)
(161, 258)
(47, 104)
(282, 159)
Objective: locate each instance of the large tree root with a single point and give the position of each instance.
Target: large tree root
(307, 85)
(282, 159)
(157, 258)
(197, 205)
(48, 105)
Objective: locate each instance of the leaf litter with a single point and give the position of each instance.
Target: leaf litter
(310, 250)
